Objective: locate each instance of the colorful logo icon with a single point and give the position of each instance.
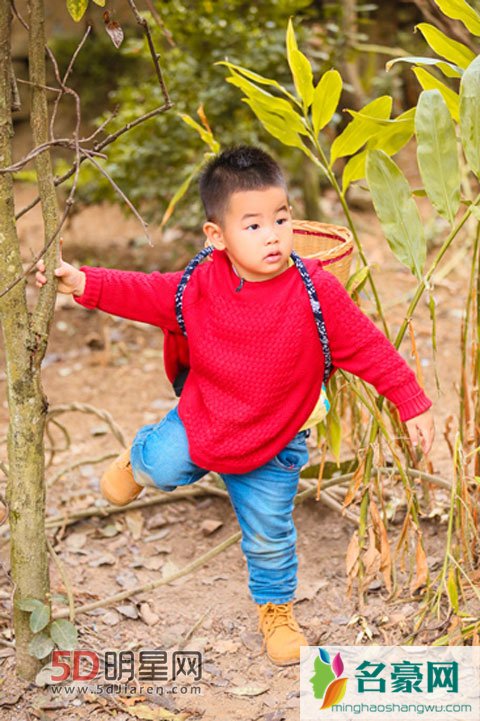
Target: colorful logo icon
(326, 681)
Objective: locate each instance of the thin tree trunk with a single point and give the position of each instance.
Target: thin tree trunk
(25, 338)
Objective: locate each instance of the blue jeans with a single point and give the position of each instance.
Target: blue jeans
(262, 500)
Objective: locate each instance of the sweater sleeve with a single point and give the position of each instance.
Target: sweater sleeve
(145, 297)
(359, 347)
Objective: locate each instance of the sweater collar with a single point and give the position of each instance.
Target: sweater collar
(238, 284)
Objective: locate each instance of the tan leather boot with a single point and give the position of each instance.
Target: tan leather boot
(282, 634)
(117, 483)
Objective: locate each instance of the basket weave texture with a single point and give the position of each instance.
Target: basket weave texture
(332, 244)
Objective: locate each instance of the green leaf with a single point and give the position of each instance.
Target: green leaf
(260, 79)
(205, 135)
(77, 8)
(390, 139)
(64, 634)
(357, 280)
(28, 604)
(360, 129)
(470, 115)
(39, 618)
(437, 153)
(180, 192)
(396, 211)
(100, 2)
(41, 645)
(446, 47)
(452, 590)
(448, 69)
(325, 99)
(270, 103)
(334, 433)
(393, 137)
(301, 69)
(461, 10)
(354, 170)
(276, 125)
(429, 82)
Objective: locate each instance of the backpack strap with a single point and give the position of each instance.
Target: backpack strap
(312, 295)
(317, 314)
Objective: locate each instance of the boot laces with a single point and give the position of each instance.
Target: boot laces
(274, 615)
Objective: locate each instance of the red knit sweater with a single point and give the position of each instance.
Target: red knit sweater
(256, 362)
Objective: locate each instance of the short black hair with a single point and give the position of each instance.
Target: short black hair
(243, 167)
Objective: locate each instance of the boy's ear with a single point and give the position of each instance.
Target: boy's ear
(214, 234)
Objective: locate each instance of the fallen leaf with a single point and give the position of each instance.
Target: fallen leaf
(111, 618)
(154, 563)
(100, 430)
(147, 615)
(108, 559)
(209, 526)
(76, 540)
(248, 690)
(157, 520)
(142, 711)
(128, 610)
(134, 521)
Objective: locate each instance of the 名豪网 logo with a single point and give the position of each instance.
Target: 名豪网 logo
(327, 681)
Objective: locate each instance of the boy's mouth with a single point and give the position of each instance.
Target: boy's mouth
(271, 257)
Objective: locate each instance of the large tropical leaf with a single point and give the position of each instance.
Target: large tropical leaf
(440, 43)
(429, 82)
(470, 115)
(361, 128)
(437, 153)
(396, 211)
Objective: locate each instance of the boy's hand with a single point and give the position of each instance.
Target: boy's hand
(422, 430)
(71, 279)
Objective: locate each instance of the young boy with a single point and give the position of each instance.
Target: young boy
(254, 388)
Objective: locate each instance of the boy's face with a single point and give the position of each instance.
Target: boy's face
(256, 232)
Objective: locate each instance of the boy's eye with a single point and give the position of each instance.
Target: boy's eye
(280, 221)
(253, 226)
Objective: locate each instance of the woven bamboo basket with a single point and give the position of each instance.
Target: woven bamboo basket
(332, 244)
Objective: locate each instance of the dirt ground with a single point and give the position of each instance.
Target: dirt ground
(116, 366)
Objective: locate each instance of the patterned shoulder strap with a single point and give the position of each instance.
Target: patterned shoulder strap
(312, 295)
(317, 314)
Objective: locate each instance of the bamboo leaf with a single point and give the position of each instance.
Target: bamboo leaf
(396, 211)
(77, 8)
(64, 634)
(429, 82)
(452, 589)
(437, 153)
(270, 103)
(440, 43)
(470, 115)
(461, 10)
(205, 135)
(325, 99)
(448, 69)
(276, 125)
(300, 67)
(260, 79)
(421, 567)
(354, 170)
(360, 129)
(41, 645)
(334, 433)
(180, 192)
(39, 618)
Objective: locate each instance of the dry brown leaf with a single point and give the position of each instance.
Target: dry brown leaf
(355, 484)
(249, 690)
(352, 560)
(209, 526)
(421, 566)
(147, 615)
(385, 553)
(134, 521)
